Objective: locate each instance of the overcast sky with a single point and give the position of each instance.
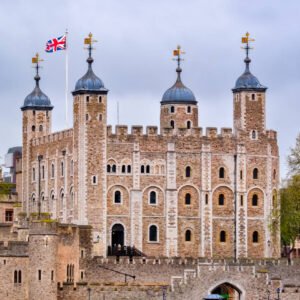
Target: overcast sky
(134, 57)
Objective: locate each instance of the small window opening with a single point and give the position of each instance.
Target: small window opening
(242, 200)
(188, 171)
(41, 128)
(221, 172)
(52, 275)
(188, 236)
(189, 110)
(87, 117)
(255, 237)
(33, 112)
(241, 175)
(188, 199)
(94, 179)
(274, 174)
(253, 96)
(142, 169)
(100, 117)
(222, 236)
(40, 274)
(114, 169)
(128, 169)
(117, 197)
(123, 169)
(172, 109)
(100, 99)
(148, 169)
(254, 200)
(188, 124)
(87, 99)
(172, 124)
(153, 233)
(108, 168)
(33, 128)
(81, 275)
(253, 134)
(206, 199)
(221, 199)
(255, 173)
(152, 197)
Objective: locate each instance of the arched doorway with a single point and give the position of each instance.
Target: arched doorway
(117, 235)
(228, 291)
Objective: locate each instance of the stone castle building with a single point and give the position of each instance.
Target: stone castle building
(176, 190)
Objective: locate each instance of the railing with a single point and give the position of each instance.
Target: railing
(124, 251)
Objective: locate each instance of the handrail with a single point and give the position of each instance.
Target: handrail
(119, 272)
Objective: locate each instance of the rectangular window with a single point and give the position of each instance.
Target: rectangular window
(9, 215)
(40, 274)
(52, 275)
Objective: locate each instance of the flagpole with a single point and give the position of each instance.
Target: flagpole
(67, 79)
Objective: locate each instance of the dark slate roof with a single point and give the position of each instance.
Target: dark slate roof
(178, 93)
(247, 81)
(89, 83)
(37, 99)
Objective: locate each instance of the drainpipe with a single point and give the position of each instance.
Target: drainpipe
(40, 157)
(235, 207)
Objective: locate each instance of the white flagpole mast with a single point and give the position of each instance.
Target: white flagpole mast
(67, 79)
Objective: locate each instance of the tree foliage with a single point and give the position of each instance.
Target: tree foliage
(294, 158)
(290, 211)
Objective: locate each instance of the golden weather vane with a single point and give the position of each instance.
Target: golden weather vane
(246, 40)
(178, 52)
(36, 59)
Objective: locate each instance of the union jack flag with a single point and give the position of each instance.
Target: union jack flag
(56, 44)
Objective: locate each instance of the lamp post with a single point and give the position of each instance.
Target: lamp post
(40, 157)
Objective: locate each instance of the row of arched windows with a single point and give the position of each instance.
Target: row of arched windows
(153, 234)
(112, 168)
(254, 200)
(223, 237)
(188, 124)
(188, 109)
(17, 276)
(70, 273)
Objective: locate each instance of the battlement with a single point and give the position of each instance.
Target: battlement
(271, 134)
(53, 137)
(197, 132)
(14, 248)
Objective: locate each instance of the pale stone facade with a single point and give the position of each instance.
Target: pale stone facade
(172, 191)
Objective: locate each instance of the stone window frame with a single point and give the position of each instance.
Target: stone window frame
(190, 237)
(156, 197)
(255, 173)
(254, 200)
(172, 109)
(221, 198)
(188, 109)
(17, 275)
(100, 99)
(172, 124)
(62, 168)
(157, 233)
(206, 198)
(114, 197)
(9, 215)
(52, 170)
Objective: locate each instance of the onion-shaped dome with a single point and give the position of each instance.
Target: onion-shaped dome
(247, 81)
(37, 99)
(89, 83)
(178, 93)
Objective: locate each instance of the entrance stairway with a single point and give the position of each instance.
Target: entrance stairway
(124, 251)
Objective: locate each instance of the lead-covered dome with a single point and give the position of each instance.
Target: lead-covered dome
(247, 81)
(178, 93)
(89, 83)
(37, 99)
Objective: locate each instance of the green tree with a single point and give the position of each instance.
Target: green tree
(294, 158)
(290, 213)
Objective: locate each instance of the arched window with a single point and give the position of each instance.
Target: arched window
(255, 173)
(33, 198)
(222, 236)
(253, 96)
(274, 201)
(189, 110)
(206, 199)
(114, 169)
(274, 174)
(188, 124)
(254, 200)
(153, 233)
(123, 169)
(253, 134)
(71, 198)
(94, 179)
(41, 128)
(172, 109)
(147, 169)
(188, 171)
(33, 174)
(221, 199)
(62, 168)
(129, 169)
(52, 170)
(62, 200)
(20, 276)
(117, 197)
(255, 237)
(33, 128)
(188, 236)
(152, 197)
(188, 199)
(221, 172)
(142, 169)
(100, 99)
(16, 276)
(108, 168)
(87, 99)
(172, 124)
